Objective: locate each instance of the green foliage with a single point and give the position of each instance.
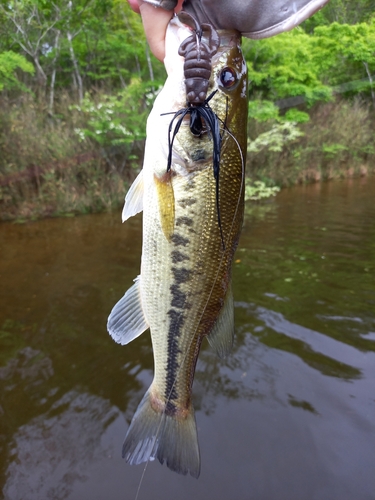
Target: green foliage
(338, 141)
(310, 67)
(10, 62)
(110, 47)
(117, 119)
(84, 43)
(95, 52)
(46, 170)
(332, 150)
(341, 11)
(285, 66)
(259, 190)
(296, 116)
(275, 139)
(28, 137)
(263, 110)
(344, 51)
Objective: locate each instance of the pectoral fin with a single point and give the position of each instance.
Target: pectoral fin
(127, 320)
(221, 335)
(134, 198)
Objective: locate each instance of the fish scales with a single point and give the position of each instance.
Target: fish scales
(184, 289)
(190, 292)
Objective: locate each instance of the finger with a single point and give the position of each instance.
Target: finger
(155, 22)
(179, 6)
(134, 4)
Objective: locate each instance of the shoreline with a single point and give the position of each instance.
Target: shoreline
(28, 211)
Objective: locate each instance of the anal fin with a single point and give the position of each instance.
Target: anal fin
(221, 335)
(127, 320)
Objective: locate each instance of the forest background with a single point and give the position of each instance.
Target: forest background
(77, 82)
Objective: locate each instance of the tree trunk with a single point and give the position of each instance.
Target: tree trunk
(371, 82)
(53, 76)
(76, 67)
(41, 77)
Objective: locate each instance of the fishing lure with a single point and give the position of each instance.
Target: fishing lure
(198, 52)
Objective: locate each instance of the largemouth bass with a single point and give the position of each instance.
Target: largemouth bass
(183, 293)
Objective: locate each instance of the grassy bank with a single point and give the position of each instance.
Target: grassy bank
(337, 142)
(48, 167)
(77, 80)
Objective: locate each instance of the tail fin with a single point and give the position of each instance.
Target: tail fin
(171, 439)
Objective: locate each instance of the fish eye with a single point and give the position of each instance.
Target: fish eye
(228, 77)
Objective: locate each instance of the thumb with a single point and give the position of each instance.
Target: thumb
(134, 4)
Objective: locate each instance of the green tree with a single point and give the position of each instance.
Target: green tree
(346, 53)
(285, 66)
(78, 44)
(343, 12)
(28, 26)
(313, 66)
(10, 62)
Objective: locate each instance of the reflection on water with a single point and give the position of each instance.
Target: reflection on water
(289, 415)
(281, 334)
(51, 452)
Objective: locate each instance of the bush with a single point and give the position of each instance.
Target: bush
(337, 141)
(46, 168)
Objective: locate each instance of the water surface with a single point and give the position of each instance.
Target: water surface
(289, 415)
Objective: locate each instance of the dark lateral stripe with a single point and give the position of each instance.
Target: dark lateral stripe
(181, 275)
(178, 297)
(179, 240)
(178, 257)
(176, 314)
(176, 322)
(184, 221)
(170, 408)
(187, 202)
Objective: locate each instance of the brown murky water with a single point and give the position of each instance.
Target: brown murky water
(290, 415)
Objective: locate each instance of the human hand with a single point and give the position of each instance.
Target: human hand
(155, 22)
